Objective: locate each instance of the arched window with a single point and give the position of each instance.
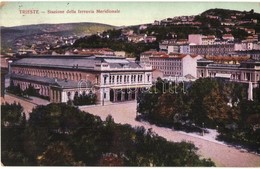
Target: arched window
(77, 77)
(76, 93)
(69, 94)
(120, 79)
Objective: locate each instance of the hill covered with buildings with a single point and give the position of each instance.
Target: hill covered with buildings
(45, 36)
(213, 21)
(222, 24)
(213, 27)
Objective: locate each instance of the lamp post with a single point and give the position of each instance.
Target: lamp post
(176, 83)
(202, 129)
(103, 97)
(170, 84)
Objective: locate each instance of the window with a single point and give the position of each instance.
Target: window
(105, 79)
(120, 77)
(124, 79)
(148, 78)
(117, 79)
(96, 79)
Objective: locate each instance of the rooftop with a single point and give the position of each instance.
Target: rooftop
(75, 62)
(224, 65)
(58, 62)
(62, 83)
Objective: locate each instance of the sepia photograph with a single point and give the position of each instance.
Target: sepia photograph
(130, 83)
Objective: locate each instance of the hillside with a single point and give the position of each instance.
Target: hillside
(12, 37)
(45, 38)
(226, 13)
(218, 22)
(210, 22)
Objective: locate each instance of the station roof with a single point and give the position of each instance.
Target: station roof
(74, 62)
(61, 83)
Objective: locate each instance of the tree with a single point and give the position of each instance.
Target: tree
(15, 89)
(12, 127)
(248, 110)
(59, 134)
(257, 93)
(60, 118)
(133, 49)
(13, 158)
(12, 114)
(58, 154)
(31, 91)
(111, 159)
(216, 106)
(239, 34)
(146, 103)
(165, 109)
(197, 92)
(165, 103)
(84, 99)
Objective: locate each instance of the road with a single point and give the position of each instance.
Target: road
(221, 154)
(28, 105)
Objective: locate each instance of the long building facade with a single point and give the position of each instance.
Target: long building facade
(61, 78)
(212, 49)
(245, 72)
(173, 64)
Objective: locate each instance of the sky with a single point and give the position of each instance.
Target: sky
(130, 13)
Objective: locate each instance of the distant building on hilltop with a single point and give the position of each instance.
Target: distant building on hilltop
(217, 49)
(253, 54)
(175, 65)
(199, 39)
(183, 49)
(95, 51)
(198, 44)
(228, 37)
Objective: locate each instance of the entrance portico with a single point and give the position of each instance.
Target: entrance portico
(127, 94)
